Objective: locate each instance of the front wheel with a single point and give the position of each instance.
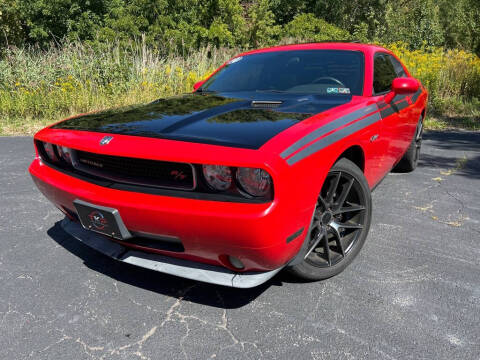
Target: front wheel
(340, 223)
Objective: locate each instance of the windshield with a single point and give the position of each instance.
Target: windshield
(332, 72)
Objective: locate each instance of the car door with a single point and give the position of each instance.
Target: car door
(407, 115)
(390, 128)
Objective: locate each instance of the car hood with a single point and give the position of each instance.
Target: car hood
(239, 120)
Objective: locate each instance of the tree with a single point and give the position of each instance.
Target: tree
(460, 23)
(416, 22)
(11, 29)
(262, 29)
(309, 28)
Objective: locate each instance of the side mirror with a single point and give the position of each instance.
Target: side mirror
(198, 84)
(402, 86)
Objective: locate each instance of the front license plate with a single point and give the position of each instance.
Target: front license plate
(101, 219)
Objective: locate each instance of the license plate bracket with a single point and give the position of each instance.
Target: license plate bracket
(101, 219)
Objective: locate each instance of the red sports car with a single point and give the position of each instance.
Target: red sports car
(267, 165)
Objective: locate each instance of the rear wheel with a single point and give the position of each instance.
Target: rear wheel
(409, 161)
(340, 223)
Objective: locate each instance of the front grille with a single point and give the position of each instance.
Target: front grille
(137, 171)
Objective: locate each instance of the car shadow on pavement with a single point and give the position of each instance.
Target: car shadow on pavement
(467, 164)
(190, 290)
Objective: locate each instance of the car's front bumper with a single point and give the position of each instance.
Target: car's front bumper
(164, 264)
(210, 231)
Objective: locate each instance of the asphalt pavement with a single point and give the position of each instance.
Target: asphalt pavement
(412, 293)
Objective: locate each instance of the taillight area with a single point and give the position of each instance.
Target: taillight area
(216, 182)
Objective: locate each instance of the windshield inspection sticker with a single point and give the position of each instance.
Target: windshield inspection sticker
(332, 90)
(233, 61)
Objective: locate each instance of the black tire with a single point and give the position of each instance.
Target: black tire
(409, 161)
(340, 223)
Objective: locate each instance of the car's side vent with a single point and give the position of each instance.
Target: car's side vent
(266, 104)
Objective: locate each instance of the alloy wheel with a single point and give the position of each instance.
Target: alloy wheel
(338, 221)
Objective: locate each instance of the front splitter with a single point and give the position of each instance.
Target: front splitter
(164, 264)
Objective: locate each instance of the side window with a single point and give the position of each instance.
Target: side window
(399, 70)
(383, 74)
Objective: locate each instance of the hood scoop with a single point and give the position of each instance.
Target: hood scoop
(266, 104)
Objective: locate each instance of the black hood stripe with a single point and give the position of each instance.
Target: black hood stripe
(242, 120)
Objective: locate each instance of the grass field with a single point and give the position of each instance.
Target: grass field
(40, 87)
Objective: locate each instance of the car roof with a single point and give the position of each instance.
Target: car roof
(352, 46)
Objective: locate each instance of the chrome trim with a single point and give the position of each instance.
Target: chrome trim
(105, 175)
(168, 265)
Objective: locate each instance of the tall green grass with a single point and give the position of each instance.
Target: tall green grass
(40, 87)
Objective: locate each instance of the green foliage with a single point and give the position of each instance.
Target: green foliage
(286, 10)
(360, 32)
(309, 28)
(38, 87)
(61, 57)
(186, 25)
(11, 31)
(461, 24)
(262, 29)
(415, 22)
(172, 25)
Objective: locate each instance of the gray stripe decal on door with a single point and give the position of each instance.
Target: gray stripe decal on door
(401, 105)
(330, 139)
(416, 95)
(398, 98)
(341, 121)
(387, 111)
(392, 108)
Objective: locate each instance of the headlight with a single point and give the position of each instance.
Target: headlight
(256, 182)
(50, 152)
(217, 176)
(65, 154)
